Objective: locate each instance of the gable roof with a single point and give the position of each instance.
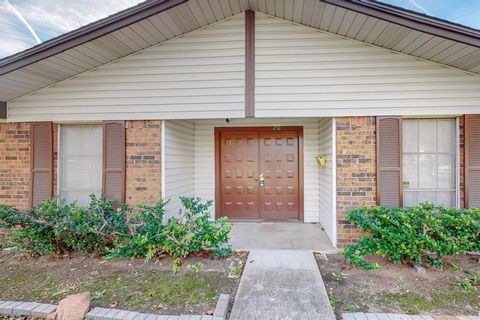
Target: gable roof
(155, 21)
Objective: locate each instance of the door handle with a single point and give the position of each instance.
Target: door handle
(261, 179)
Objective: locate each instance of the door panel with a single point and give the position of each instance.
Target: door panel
(259, 174)
(279, 165)
(239, 170)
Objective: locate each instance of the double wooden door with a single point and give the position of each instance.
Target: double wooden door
(259, 172)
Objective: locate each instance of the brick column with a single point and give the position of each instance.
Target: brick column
(356, 172)
(143, 167)
(15, 164)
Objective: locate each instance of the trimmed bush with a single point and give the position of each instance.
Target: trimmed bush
(420, 234)
(54, 226)
(194, 231)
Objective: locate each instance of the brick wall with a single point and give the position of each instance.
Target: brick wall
(143, 167)
(143, 174)
(356, 171)
(15, 164)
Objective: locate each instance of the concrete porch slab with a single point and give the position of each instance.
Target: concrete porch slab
(283, 285)
(279, 236)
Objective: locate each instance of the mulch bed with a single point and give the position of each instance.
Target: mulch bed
(123, 284)
(401, 288)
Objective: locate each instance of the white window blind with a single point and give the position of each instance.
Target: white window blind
(80, 162)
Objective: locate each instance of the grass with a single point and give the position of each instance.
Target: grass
(415, 303)
(163, 290)
(452, 290)
(129, 284)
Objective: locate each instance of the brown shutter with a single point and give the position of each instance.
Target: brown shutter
(389, 161)
(472, 161)
(113, 185)
(41, 172)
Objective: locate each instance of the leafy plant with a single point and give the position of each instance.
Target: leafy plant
(143, 237)
(334, 301)
(196, 267)
(421, 234)
(471, 282)
(235, 271)
(339, 277)
(54, 226)
(194, 231)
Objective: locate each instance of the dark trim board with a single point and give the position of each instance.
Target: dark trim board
(249, 64)
(411, 19)
(87, 33)
(3, 110)
(299, 129)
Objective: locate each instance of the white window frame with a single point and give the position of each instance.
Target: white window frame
(59, 151)
(456, 154)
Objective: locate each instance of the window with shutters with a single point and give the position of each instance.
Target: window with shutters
(80, 162)
(429, 161)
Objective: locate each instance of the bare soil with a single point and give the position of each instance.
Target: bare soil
(125, 284)
(401, 288)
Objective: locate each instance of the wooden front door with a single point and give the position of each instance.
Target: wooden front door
(258, 173)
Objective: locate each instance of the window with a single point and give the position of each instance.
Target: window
(429, 161)
(80, 162)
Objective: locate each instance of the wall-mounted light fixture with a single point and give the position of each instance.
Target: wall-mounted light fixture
(322, 160)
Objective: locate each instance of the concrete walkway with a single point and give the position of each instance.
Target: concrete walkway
(283, 285)
(280, 235)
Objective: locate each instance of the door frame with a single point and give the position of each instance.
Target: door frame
(218, 184)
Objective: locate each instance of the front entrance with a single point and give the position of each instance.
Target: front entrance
(259, 173)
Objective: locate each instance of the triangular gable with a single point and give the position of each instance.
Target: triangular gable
(307, 72)
(299, 69)
(200, 75)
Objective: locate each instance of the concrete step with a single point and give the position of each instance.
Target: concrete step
(281, 284)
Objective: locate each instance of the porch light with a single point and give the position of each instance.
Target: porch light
(322, 160)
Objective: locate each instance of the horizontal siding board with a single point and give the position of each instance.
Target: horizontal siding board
(326, 178)
(341, 77)
(179, 163)
(184, 78)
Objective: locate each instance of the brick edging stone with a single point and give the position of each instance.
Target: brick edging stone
(220, 313)
(397, 316)
(43, 310)
(26, 309)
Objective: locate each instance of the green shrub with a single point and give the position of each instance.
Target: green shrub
(194, 231)
(54, 226)
(144, 237)
(420, 234)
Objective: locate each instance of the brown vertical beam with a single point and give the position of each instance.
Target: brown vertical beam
(3, 110)
(249, 64)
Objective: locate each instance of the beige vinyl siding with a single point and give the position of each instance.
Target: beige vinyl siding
(327, 178)
(316, 74)
(204, 166)
(179, 163)
(196, 76)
